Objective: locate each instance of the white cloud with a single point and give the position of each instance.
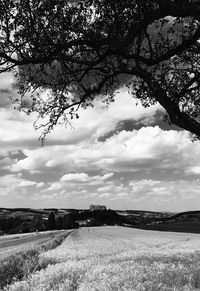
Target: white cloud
(78, 177)
(70, 155)
(193, 170)
(41, 184)
(35, 160)
(93, 123)
(49, 196)
(161, 191)
(15, 126)
(136, 185)
(78, 181)
(83, 177)
(107, 176)
(26, 183)
(105, 188)
(53, 187)
(147, 148)
(13, 185)
(6, 162)
(105, 195)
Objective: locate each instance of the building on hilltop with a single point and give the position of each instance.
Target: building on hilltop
(97, 207)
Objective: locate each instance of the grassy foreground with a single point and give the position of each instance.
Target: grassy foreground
(20, 265)
(116, 258)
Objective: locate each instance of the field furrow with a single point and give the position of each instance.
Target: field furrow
(119, 258)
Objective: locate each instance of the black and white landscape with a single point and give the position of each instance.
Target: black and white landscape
(99, 145)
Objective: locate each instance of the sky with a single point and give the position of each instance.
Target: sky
(123, 156)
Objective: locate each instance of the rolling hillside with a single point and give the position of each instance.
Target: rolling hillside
(29, 220)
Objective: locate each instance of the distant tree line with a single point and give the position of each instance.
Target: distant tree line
(8, 224)
(71, 220)
(75, 218)
(16, 224)
(94, 218)
(108, 217)
(67, 221)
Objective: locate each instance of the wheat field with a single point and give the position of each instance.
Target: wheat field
(119, 258)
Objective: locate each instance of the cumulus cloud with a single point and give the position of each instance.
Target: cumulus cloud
(53, 187)
(78, 181)
(35, 160)
(193, 170)
(26, 183)
(97, 121)
(144, 149)
(105, 188)
(105, 195)
(126, 165)
(6, 162)
(78, 177)
(49, 196)
(40, 184)
(13, 185)
(93, 123)
(143, 183)
(107, 176)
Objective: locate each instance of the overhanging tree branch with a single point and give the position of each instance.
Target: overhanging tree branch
(87, 48)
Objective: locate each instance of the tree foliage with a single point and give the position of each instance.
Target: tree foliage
(82, 50)
(51, 222)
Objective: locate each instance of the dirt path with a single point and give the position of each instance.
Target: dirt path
(10, 244)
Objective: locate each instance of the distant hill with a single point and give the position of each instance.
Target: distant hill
(144, 213)
(27, 212)
(27, 219)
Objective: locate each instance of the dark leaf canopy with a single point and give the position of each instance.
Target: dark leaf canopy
(82, 50)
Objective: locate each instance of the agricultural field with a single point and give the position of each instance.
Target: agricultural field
(118, 258)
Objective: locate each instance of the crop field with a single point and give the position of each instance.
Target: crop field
(119, 258)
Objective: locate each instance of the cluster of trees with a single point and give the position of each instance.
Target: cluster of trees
(8, 224)
(101, 217)
(18, 225)
(92, 218)
(72, 219)
(68, 221)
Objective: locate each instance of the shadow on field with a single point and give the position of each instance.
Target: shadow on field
(189, 227)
